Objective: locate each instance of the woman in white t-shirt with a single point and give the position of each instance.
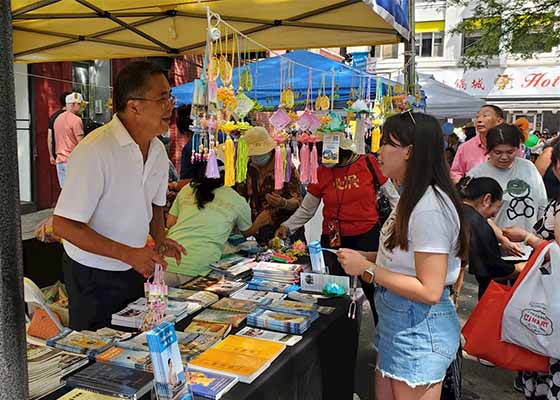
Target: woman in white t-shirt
(421, 247)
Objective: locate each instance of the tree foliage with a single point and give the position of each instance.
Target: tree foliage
(518, 27)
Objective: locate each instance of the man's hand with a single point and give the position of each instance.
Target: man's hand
(53, 161)
(275, 200)
(143, 260)
(170, 248)
(263, 219)
(515, 233)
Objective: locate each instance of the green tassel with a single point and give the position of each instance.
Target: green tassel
(283, 160)
(242, 159)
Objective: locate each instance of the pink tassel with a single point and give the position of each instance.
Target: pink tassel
(304, 163)
(212, 171)
(313, 165)
(278, 169)
(288, 163)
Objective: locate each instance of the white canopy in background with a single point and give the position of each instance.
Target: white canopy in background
(445, 102)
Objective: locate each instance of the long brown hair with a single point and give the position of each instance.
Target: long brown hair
(426, 167)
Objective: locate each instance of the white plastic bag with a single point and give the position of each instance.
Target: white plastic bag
(532, 317)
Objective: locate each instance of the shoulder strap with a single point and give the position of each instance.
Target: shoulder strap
(373, 173)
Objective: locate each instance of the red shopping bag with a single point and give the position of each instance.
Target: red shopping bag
(483, 330)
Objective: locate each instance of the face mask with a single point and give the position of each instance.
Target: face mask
(260, 160)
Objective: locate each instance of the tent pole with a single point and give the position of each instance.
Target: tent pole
(13, 359)
(410, 52)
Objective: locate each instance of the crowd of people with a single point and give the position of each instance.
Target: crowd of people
(409, 260)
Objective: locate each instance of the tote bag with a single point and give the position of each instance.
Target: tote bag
(532, 316)
(483, 329)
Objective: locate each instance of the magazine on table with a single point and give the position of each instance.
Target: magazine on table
(210, 385)
(257, 295)
(257, 333)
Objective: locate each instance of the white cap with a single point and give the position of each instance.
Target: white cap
(75, 98)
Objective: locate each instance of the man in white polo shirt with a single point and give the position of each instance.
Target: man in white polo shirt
(113, 196)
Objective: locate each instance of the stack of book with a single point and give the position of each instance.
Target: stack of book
(277, 272)
(221, 317)
(208, 328)
(234, 267)
(235, 305)
(295, 324)
(286, 338)
(132, 315)
(113, 380)
(139, 359)
(211, 385)
(81, 394)
(179, 294)
(80, 343)
(242, 357)
(193, 344)
(221, 287)
(291, 307)
(257, 295)
(272, 286)
(47, 366)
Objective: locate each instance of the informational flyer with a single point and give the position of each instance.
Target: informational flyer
(331, 147)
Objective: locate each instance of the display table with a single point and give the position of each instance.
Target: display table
(319, 367)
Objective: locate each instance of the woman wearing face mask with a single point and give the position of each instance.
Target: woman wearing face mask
(350, 217)
(268, 204)
(482, 198)
(420, 252)
(525, 196)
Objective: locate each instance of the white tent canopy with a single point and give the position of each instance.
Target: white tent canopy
(445, 102)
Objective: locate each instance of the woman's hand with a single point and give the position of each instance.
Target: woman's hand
(263, 219)
(282, 232)
(515, 233)
(510, 249)
(352, 261)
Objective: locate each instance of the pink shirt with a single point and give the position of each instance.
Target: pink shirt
(469, 155)
(68, 130)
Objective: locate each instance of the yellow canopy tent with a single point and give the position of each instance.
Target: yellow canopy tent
(69, 30)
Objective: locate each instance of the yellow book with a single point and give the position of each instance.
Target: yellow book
(242, 357)
(80, 394)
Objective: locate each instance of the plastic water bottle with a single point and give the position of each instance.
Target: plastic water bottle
(316, 256)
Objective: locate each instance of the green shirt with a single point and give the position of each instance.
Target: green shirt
(205, 232)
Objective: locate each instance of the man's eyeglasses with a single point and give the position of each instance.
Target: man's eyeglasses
(162, 100)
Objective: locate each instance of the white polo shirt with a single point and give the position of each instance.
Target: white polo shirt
(110, 188)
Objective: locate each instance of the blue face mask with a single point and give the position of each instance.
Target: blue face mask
(261, 160)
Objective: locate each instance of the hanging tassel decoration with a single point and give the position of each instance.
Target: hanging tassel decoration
(212, 171)
(284, 160)
(295, 151)
(375, 139)
(304, 163)
(278, 169)
(242, 159)
(288, 175)
(229, 162)
(313, 165)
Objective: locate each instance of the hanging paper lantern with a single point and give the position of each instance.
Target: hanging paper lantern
(532, 140)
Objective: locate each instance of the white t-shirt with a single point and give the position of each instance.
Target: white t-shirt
(110, 188)
(433, 227)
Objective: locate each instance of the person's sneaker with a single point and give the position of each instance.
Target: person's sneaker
(486, 363)
(518, 383)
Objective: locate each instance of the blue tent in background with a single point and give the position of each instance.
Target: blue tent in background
(267, 85)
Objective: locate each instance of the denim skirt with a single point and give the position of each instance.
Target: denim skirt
(416, 342)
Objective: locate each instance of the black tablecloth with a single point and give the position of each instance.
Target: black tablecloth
(319, 367)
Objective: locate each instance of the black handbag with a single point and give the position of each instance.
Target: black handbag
(383, 205)
(451, 389)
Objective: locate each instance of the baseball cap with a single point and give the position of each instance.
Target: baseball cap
(75, 97)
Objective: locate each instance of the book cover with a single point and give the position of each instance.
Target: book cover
(192, 344)
(246, 368)
(252, 347)
(179, 294)
(205, 299)
(211, 385)
(257, 295)
(199, 283)
(77, 342)
(272, 286)
(229, 261)
(221, 317)
(289, 306)
(113, 380)
(170, 377)
(225, 288)
(235, 305)
(126, 358)
(286, 338)
(138, 342)
(79, 394)
(208, 328)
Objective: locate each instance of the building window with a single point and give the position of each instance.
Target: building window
(429, 44)
(531, 42)
(386, 51)
(469, 39)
